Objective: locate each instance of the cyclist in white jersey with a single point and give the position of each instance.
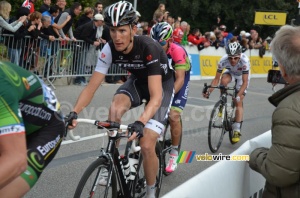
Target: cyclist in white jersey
(237, 67)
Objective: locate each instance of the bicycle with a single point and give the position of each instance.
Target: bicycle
(222, 117)
(166, 145)
(110, 165)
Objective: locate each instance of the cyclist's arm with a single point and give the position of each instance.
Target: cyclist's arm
(156, 92)
(244, 85)
(103, 63)
(88, 92)
(215, 81)
(13, 157)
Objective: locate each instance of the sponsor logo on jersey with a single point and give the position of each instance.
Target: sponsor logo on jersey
(137, 57)
(16, 128)
(102, 55)
(177, 101)
(39, 112)
(121, 57)
(26, 84)
(149, 57)
(49, 146)
(31, 80)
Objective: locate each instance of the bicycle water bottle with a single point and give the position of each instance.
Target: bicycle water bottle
(126, 166)
(134, 162)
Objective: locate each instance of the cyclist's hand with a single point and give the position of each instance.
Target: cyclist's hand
(137, 129)
(71, 120)
(206, 95)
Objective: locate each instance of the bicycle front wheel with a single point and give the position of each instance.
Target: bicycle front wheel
(216, 128)
(94, 181)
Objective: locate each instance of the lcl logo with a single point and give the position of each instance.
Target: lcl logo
(270, 17)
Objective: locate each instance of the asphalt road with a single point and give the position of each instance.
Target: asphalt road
(61, 177)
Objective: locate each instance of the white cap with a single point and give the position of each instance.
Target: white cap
(98, 17)
(242, 33)
(137, 13)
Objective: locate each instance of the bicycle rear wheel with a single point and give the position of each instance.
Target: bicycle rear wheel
(140, 185)
(166, 145)
(216, 128)
(89, 183)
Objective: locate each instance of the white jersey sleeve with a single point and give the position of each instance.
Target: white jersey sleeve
(104, 60)
(223, 63)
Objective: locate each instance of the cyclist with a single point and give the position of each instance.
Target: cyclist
(31, 129)
(162, 32)
(151, 79)
(237, 67)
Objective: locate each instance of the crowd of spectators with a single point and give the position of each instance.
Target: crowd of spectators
(64, 21)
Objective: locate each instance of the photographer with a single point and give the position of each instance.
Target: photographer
(91, 33)
(279, 164)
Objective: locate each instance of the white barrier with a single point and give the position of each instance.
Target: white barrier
(227, 179)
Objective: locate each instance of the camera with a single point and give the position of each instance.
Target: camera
(274, 76)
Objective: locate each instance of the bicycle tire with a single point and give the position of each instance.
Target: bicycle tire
(99, 163)
(230, 121)
(167, 144)
(214, 147)
(139, 184)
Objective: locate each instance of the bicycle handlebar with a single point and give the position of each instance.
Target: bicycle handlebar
(222, 87)
(105, 125)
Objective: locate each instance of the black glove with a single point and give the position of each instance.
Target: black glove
(137, 127)
(69, 118)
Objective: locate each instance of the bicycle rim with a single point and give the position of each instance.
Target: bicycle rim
(89, 183)
(216, 128)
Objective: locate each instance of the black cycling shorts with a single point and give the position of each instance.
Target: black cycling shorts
(138, 91)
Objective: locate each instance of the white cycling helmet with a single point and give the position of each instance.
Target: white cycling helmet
(119, 14)
(233, 49)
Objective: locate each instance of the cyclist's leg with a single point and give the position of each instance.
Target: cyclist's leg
(226, 78)
(126, 97)
(42, 147)
(178, 104)
(153, 129)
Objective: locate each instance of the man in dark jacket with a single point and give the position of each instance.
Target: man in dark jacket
(280, 164)
(88, 33)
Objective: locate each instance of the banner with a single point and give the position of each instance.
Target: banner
(270, 18)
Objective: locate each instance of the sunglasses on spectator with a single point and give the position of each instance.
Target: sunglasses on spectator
(233, 57)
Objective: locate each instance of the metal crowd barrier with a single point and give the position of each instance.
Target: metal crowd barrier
(53, 59)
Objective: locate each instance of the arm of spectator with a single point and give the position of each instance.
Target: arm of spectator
(13, 27)
(280, 164)
(70, 32)
(61, 20)
(58, 27)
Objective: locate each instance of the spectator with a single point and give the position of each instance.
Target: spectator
(255, 41)
(33, 44)
(145, 28)
(161, 9)
(170, 20)
(158, 16)
(279, 164)
(196, 37)
(52, 13)
(29, 4)
(15, 47)
(88, 14)
(222, 28)
(98, 8)
(45, 6)
(48, 43)
(138, 16)
(91, 33)
(5, 9)
(62, 5)
(73, 12)
(179, 32)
